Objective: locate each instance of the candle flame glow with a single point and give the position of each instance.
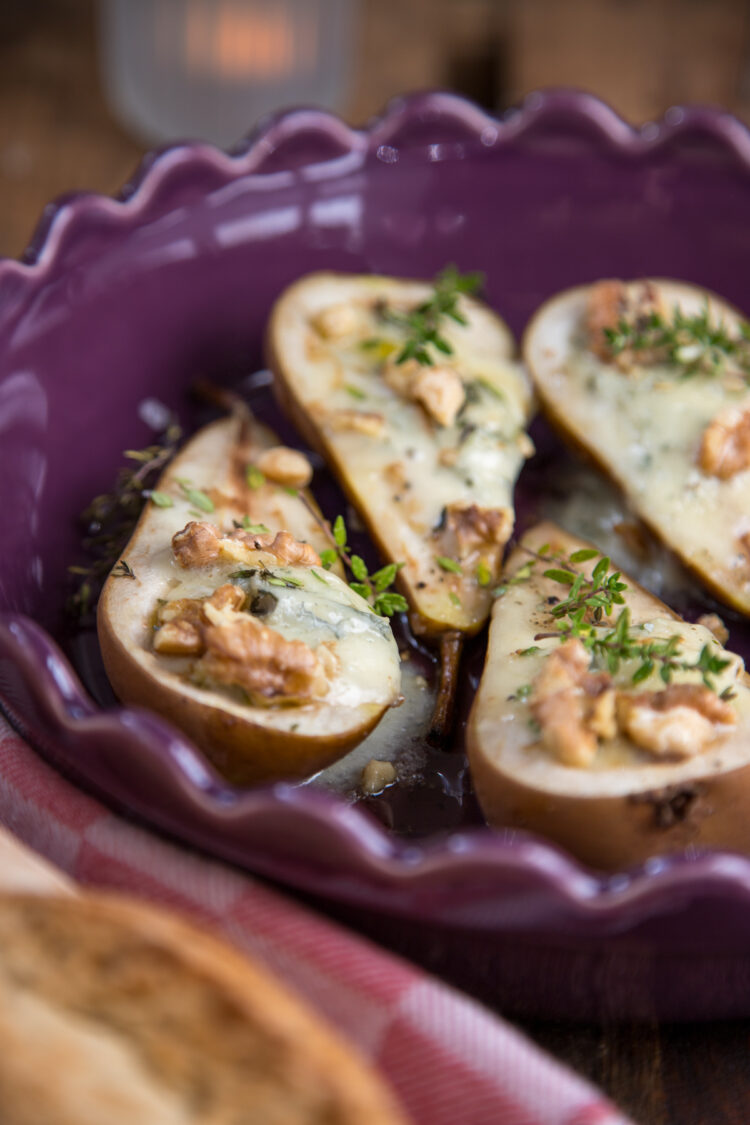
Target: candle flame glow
(244, 41)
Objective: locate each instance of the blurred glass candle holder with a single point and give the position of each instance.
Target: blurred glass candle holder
(209, 69)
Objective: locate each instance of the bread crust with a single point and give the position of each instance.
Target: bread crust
(112, 1009)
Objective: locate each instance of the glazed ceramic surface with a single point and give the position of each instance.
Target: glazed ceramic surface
(122, 300)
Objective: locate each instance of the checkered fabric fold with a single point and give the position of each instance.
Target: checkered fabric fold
(450, 1061)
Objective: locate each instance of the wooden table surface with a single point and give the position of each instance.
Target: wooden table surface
(56, 134)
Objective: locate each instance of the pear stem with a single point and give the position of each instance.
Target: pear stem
(451, 647)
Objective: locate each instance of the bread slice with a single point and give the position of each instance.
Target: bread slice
(116, 1012)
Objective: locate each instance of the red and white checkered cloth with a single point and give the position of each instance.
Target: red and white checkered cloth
(449, 1060)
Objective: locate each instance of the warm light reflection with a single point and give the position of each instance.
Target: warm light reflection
(251, 40)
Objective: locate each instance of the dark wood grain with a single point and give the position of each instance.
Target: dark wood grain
(670, 1074)
(56, 132)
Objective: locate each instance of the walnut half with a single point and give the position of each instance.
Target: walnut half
(725, 445)
(609, 304)
(576, 707)
(573, 706)
(677, 722)
(236, 650)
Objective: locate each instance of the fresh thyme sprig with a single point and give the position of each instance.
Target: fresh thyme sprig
(374, 588)
(111, 517)
(693, 344)
(587, 609)
(123, 570)
(422, 324)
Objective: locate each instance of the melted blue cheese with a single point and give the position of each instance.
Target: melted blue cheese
(646, 426)
(315, 607)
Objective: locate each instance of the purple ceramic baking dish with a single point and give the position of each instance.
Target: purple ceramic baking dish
(117, 300)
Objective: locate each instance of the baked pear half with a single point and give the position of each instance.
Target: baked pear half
(604, 721)
(411, 393)
(220, 617)
(651, 380)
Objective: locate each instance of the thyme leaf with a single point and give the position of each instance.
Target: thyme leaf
(375, 587)
(254, 477)
(691, 343)
(389, 602)
(587, 612)
(448, 564)
(483, 574)
(109, 520)
(421, 326)
(161, 499)
(196, 496)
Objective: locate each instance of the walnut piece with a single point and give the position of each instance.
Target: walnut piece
(400, 376)
(339, 320)
(199, 544)
(223, 605)
(196, 545)
(285, 466)
(367, 422)
(178, 638)
(574, 707)
(288, 550)
(377, 775)
(678, 722)
(449, 456)
(266, 665)
(236, 650)
(610, 303)
(181, 622)
(725, 445)
(440, 391)
(475, 527)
